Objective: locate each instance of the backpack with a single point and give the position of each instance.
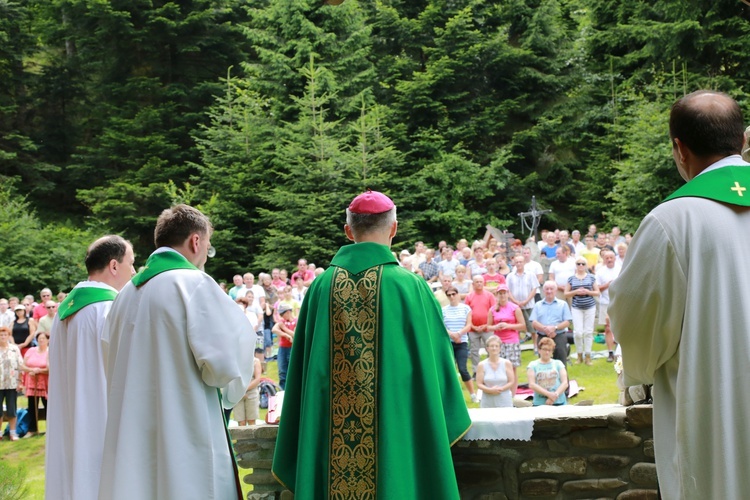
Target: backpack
(22, 423)
(266, 388)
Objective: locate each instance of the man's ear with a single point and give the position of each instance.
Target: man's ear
(682, 150)
(394, 229)
(112, 267)
(194, 242)
(348, 232)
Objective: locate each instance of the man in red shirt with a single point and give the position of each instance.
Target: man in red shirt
(480, 301)
(307, 275)
(41, 309)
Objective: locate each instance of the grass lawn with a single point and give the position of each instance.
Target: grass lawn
(597, 382)
(27, 453)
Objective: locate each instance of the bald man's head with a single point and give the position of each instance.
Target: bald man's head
(709, 123)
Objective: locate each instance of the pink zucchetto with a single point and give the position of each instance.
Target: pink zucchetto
(371, 202)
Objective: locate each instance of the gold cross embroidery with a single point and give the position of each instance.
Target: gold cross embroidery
(70, 304)
(738, 188)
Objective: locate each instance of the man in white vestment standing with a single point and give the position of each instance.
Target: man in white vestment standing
(676, 311)
(77, 396)
(172, 339)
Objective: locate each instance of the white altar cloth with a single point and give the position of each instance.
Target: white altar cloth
(518, 423)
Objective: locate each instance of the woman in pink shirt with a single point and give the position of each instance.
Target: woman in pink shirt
(506, 320)
(36, 366)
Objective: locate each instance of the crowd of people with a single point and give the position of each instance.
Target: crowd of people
(489, 289)
(667, 309)
(492, 289)
(499, 292)
(24, 357)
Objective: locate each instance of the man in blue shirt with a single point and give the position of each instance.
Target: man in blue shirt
(551, 318)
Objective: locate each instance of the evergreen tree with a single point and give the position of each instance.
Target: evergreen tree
(37, 255)
(285, 34)
(646, 172)
(237, 148)
(146, 72)
(20, 156)
(316, 177)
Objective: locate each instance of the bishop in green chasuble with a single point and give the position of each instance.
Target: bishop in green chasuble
(372, 403)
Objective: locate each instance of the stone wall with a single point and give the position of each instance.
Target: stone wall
(607, 453)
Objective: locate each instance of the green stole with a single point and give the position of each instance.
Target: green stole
(156, 264)
(80, 297)
(725, 184)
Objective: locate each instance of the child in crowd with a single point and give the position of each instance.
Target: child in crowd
(492, 278)
(299, 290)
(246, 410)
(461, 283)
(285, 298)
(285, 330)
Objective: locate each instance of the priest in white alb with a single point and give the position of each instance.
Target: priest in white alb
(681, 312)
(175, 347)
(77, 395)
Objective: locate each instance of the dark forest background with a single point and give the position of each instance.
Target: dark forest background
(270, 115)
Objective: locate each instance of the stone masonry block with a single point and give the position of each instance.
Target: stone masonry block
(563, 465)
(267, 488)
(644, 474)
(608, 462)
(648, 448)
(551, 431)
(245, 445)
(263, 454)
(640, 416)
(539, 487)
(287, 495)
(243, 433)
(638, 495)
(593, 485)
(261, 496)
(255, 463)
(617, 420)
(261, 476)
(495, 495)
(603, 439)
(559, 445)
(266, 432)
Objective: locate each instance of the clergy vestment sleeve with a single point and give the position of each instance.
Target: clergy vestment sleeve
(214, 323)
(646, 318)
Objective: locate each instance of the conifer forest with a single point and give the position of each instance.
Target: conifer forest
(270, 115)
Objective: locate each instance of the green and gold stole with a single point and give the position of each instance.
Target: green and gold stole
(354, 383)
(726, 184)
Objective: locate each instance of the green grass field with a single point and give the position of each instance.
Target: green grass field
(597, 381)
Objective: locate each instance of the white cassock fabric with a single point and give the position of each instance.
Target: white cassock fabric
(77, 403)
(681, 312)
(168, 346)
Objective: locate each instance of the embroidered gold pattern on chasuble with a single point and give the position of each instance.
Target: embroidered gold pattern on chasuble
(354, 349)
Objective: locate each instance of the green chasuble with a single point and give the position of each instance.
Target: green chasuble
(373, 402)
(726, 184)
